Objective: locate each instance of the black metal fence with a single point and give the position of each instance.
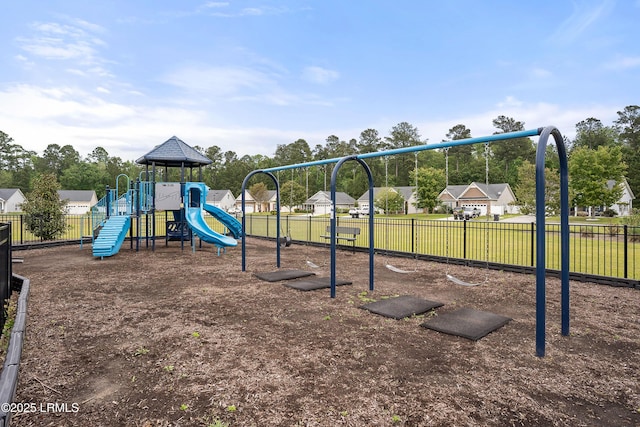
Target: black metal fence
(5, 270)
(78, 226)
(607, 253)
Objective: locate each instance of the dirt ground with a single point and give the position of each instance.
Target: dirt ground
(175, 338)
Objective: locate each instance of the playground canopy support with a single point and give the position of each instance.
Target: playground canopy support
(543, 134)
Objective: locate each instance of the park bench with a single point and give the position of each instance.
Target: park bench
(344, 233)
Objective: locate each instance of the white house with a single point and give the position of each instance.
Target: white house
(320, 203)
(250, 205)
(222, 199)
(624, 206)
(79, 202)
(11, 200)
(492, 198)
(407, 193)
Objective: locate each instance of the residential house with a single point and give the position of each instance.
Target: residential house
(624, 206)
(222, 199)
(407, 193)
(11, 200)
(320, 203)
(492, 198)
(79, 202)
(250, 205)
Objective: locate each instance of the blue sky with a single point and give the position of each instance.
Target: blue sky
(249, 75)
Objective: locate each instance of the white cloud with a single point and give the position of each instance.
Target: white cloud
(25, 62)
(585, 15)
(541, 73)
(243, 84)
(252, 11)
(534, 115)
(75, 42)
(319, 75)
(218, 81)
(36, 117)
(214, 4)
(510, 102)
(624, 63)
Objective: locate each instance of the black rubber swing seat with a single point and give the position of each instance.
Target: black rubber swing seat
(278, 275)
(401, 307)
(314, 283)
(467, 323)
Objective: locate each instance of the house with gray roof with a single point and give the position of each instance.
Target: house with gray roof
(492, 198)
(222, 199)
(250, 205)
(11, 200)
(624, 206)
(407, 193)
(79, 202)
(320, 203)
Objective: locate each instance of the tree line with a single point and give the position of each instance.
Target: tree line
(598, 153)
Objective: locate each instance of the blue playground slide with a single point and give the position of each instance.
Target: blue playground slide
(195, 197)
(111, 236)
(229, 221)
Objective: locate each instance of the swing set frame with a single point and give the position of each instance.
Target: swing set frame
(543, 134)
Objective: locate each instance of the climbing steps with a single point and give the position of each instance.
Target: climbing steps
(111, 236)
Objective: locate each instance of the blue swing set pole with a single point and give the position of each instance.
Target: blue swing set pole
(415, 148)
(540, 237)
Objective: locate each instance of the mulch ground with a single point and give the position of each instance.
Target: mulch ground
(175, 338)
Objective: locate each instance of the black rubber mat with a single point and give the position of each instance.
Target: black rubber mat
(313, 283)
(401, 307)
(467, 323)
(276, 276)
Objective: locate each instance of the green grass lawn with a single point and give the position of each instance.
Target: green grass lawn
(596, 247)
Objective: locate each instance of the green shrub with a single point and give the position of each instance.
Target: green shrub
(586, 231)
(633, 225)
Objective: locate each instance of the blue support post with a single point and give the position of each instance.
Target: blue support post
(334, 176)
(540, 237)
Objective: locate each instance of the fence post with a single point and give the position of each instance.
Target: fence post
(21, 228)
(533, 233)
(309, 230)
(464, 240)
(413, 235)
(626, 252)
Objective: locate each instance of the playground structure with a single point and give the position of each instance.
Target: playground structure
(542, 133)
(114, 216)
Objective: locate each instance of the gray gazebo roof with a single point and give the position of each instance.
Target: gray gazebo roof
(174, 152)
